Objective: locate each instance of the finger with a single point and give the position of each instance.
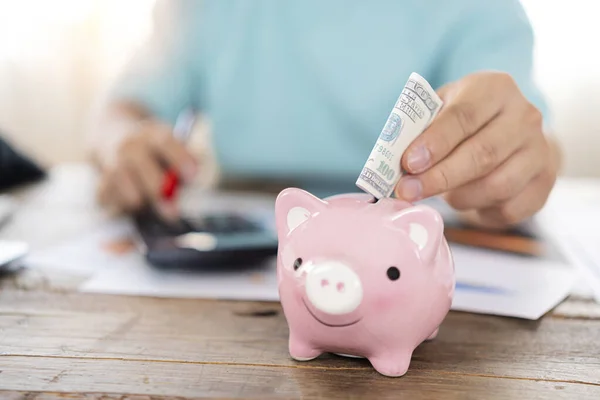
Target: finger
(107, 194)
(130, 196)
(146, 171)
(103, 190)
(117, 191)
(474, 159)
(469, 105)
(521, 207)
(149, 176)
(504, 183)
(174, 153)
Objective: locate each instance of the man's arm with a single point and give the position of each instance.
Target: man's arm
(495, 36)
(488, 152)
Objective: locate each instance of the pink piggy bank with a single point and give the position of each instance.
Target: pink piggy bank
(361, 278)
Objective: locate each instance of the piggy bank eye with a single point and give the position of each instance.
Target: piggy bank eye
(297, 264)
(393, 273)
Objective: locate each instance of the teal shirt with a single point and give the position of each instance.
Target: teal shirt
(302, 89)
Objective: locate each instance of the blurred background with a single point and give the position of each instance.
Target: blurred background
(57, 57)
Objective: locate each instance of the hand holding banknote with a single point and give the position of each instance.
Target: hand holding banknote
(485, 151)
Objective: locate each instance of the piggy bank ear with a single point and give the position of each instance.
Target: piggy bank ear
(293, 207)
(424, 227)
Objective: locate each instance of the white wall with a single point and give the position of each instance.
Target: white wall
(55, 57)
(568, 70)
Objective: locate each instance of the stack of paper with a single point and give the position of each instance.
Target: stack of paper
(517, 283)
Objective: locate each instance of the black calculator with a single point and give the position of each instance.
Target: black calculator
(208, 241)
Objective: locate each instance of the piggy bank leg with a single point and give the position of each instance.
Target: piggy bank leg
(302, 350)
(433, 335)
(393, 363)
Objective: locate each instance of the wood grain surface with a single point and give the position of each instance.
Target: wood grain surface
(58, 344)
(99, 345)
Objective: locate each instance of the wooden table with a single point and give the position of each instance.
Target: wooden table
(57, 343)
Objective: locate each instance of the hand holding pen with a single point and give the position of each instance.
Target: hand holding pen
(182, 131)
(147, 165)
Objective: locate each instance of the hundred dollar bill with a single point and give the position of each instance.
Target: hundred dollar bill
(414, 110)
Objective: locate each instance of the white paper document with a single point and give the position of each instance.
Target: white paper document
(7, 207)
(11, 251)
(104, 265)
(571, 219)
(488, 282)
(508, 284)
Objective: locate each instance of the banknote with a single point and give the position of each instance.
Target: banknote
(414, 110)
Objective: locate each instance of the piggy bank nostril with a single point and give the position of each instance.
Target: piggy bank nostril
(333, 288)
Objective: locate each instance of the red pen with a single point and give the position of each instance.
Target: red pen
(181, 131)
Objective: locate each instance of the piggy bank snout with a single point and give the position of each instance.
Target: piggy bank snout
(333, 288)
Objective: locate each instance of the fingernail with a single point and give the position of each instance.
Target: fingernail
(410, 189)
(418, 159)
(189, 171)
